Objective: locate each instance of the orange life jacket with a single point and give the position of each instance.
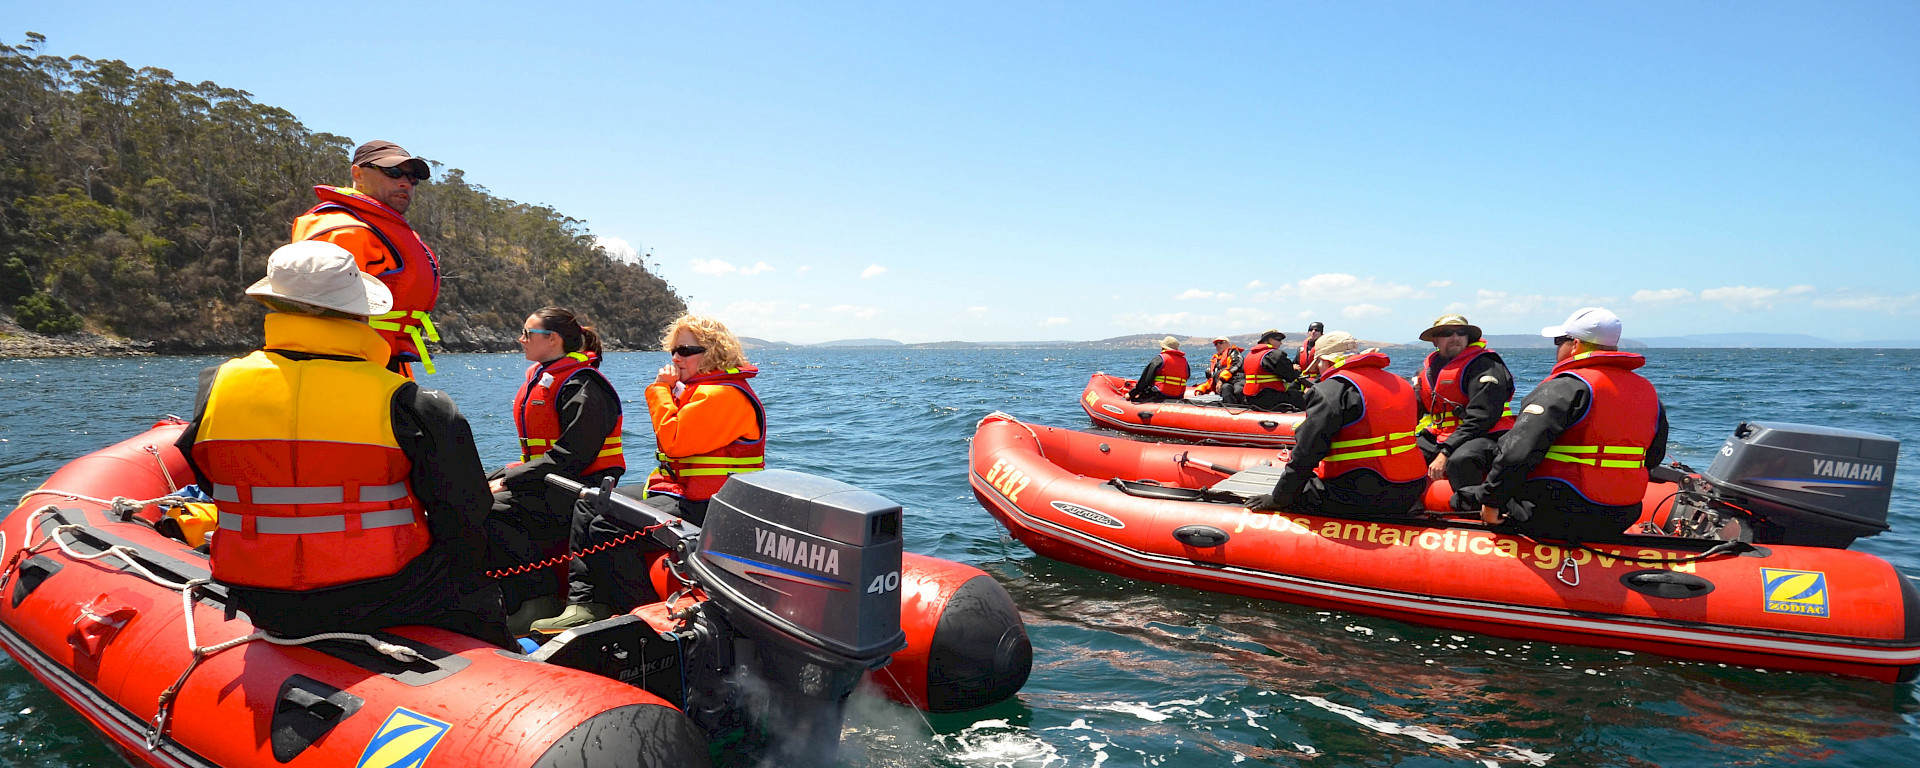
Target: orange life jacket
(1172, 379)
(1306, 356)
(1257, 379)
(1604, 454)
(1220, 369)
(1446, 399)
(698, 478)
(312, 486)
(408, 267)
(536, 411)
(1382, 438)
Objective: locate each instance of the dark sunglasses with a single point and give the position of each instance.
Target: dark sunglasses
(525, 332)
(1452, 332)
(397, 172)
(1559, 340)
(689, 350)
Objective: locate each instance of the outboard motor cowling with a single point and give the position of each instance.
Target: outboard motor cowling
(1807, 485)
(805, 571)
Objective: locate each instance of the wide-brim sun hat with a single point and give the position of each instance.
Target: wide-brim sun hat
(1450, 321)
(321, 274)
(1169, 343)
(1593, 325)
(1336, 345)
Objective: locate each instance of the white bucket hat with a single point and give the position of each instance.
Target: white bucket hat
(321, 274)
(1589, 324)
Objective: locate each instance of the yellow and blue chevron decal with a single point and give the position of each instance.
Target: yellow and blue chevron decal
(1802, 593)
(403, 741)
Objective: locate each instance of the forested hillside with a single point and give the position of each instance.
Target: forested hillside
(135, 204)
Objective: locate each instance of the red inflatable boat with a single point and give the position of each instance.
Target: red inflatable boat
(95, 610)
(1105, 401)
(1179, 521)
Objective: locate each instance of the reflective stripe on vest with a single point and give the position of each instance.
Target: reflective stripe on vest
(536, 414)
(413, 323)
(1584, 454)
(294, 526)
(715, 465)
(1398, 442)
(320, 494)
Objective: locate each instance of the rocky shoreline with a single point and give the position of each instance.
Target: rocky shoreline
(17, 342)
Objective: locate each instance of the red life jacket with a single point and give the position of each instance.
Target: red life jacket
(1446, 399)
(1220, 369)
(698, 478)
(1306, 356)
(312, 487)
(1257, 379)
(1604, 454)
(1172, 379)
(412, 273)
(1382, 438)
(536, 411)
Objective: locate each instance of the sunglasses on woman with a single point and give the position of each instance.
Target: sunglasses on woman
(689, 351)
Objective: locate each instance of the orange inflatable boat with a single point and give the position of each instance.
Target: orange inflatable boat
(1172, 514)
(124, 624)
(1105, 401)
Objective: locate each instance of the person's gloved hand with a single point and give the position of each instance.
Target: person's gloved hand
(1468, 499)
(1262, 502)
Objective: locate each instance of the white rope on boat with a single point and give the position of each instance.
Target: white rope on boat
(127, 556)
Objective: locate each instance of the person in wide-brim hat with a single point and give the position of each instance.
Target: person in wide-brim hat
(1165, 377)
(1451, 322)
(319, 274)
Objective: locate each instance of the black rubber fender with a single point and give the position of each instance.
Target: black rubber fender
(980, 653)
(633, 736)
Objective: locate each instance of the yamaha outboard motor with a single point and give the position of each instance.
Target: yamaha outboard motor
(1806, 485)
(806, 571)
(802, 580)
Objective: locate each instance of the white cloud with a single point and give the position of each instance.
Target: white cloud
(1256, 284)
(619, 249)
(714, 267)
(1663, 296)
(859, 312)
(1872, 302)
(1742, 298)
(873, 271)
(1337, 286)
(1159, 321)
(757, 268)
(1505, 303)
(752, 308)
(1195, 293)
(1440, 284)
(1800, 290)
(1358, 311)
(1055, 321)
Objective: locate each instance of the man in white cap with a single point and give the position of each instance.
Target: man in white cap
(1574, 466)
(1165, 377)
(1353, 454)
(1465, 392)
(350, 498)
(1222, 370)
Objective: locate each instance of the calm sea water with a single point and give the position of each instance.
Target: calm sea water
(1142, 674)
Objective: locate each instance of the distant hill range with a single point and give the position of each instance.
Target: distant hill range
(1204, 344)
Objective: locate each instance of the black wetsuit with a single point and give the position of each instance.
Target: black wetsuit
(1144, 390)
(1277, 363)
(1332, 404)
(532, 519)
(1470, 449)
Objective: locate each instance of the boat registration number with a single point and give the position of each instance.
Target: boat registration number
(1007, 480)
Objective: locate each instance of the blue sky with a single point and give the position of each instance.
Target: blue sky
(814, 171)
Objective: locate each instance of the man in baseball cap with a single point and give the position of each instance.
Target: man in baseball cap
(369, 219)
(1269, 380)
(1165, 377)
(1465, 390)
(1353, 454)
(350, 499)
(1574, 466)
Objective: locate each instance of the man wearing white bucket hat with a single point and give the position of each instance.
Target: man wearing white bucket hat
(1575, 463)
(1165, 377)
(350, 499)
(1354, 453)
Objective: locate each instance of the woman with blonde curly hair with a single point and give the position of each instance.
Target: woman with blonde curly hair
(709, 425)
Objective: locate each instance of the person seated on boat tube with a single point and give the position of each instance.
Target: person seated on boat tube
(1269, 379)
(1222, 368)
(1465, 393)
(1315, 330)
(1575, 463)
(350, 499)
(569, 421)
(709, 425)
(1353, 454)
(369, 219)
(1165, 377)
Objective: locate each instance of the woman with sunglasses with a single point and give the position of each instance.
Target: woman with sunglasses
(709, 424)
(568, 418)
